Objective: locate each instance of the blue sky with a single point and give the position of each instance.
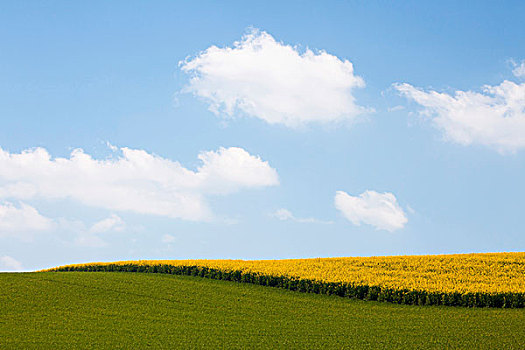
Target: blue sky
(329, 129)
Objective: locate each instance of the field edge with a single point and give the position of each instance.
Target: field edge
(349, 290)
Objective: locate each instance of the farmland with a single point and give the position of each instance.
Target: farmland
(472, 280)
(139, 310)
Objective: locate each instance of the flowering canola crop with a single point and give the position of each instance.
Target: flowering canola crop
(486, 274)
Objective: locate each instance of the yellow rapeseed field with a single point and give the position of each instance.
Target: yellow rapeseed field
(463, 273)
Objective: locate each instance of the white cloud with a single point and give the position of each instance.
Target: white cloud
(23, 219)
(380, 210)
(8, 263)
(87, 239)
(519, 69)
(231, 169)
(283, 214)
(90, 236)
(494, 118)
(83, 236)
(112, 223)
(168, 239)
(286, 215)
(410, 209)
(136, 181)
(396, 108)
(270, 80)
(113, 148)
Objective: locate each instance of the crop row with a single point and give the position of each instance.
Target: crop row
(351, 290)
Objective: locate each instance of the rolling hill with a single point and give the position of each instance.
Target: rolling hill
(70, 310)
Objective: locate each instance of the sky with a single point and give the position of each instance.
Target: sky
(264, 130)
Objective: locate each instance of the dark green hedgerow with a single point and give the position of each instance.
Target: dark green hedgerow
(364, 292)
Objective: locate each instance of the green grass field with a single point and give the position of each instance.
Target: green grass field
(133, 311)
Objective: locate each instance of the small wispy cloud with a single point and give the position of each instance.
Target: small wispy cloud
(112, 223)
(92, 237)
(112, 147)
(8, 263)
(25, 223)
(168, 239)
(518, 68)
(286, 215)
(396, 108)
(22, 221)
(87, 239)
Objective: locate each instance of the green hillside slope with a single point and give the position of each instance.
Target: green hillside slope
(134, 310)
